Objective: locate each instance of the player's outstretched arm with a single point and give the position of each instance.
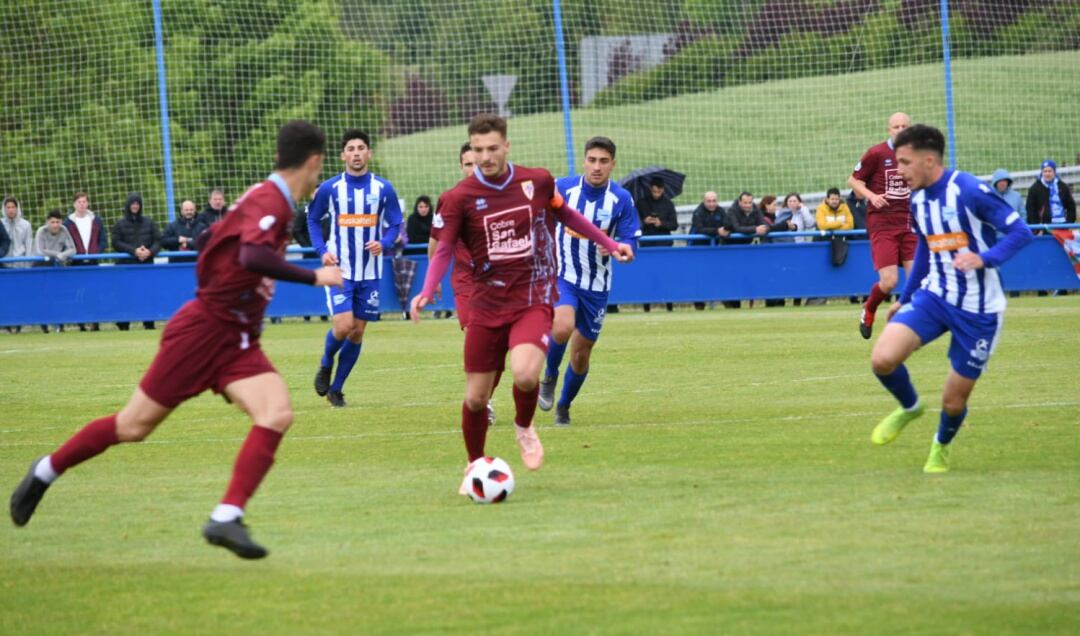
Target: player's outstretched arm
(440, 263)
(263, 260)
(574, 220)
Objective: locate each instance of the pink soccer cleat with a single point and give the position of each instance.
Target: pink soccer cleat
(532, 451)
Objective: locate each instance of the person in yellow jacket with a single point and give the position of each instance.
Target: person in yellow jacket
(834, 214)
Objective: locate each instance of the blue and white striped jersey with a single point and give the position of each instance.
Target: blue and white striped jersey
(960, 214)
(361, 209)
(610, 208)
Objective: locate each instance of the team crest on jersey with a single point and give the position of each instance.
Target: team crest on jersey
(481, 204)
(437, 222)
(888, 162)
(528, 189)
(858, 167)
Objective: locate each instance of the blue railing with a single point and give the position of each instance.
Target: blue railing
(41, 295)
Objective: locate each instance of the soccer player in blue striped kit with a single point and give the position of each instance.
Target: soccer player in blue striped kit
(954, 286)
(365, 221)
(585, 272)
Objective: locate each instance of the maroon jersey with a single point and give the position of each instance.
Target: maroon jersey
(881, 174)
(263, 216)
(461, 278)
(508, 227)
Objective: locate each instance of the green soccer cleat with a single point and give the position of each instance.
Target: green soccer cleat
(938, 461)
(889, 428)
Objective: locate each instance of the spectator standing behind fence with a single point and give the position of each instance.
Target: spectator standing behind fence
(5, 242)
(657, 213)
(1049, 199)
(769, 206)
(53, 242)
(745, 218)
(19, 232)
(658, 218)
(708, 219)
(86, 229)
(136, 234)
(215, 208)
(798, 218)
(1002, 182)
(833, 213)
(418, 227)
(181, 234)
(88, 233)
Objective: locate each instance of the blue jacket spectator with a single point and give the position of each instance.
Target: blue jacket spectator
(1049, 199)
(1002, 182)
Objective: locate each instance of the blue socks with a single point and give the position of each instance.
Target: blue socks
(332, 346)
(571, 385)
(347, 358)
(899, 384)
(949, 426)
(554, 358)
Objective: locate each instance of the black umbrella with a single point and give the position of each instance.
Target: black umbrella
(638, 181)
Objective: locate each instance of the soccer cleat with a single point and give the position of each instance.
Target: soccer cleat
(562, 415)
(466, 483)
(938, 461)
(322, 381)
(233, 536)
(866, 323)
(889, 428)
(491, 413)
(336, 399)
(547, 393)
(27, 496)
(532, 451)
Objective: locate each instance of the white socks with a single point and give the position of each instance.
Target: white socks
(224, 513)
(44, 470)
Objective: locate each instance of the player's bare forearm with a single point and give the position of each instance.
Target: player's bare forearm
(432, 244)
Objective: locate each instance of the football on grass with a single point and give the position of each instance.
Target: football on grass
(490, 480)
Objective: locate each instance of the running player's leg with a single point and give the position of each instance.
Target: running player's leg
(528, 341)
(885, 251)
(561, 329)
(914, 325)
(339, 302)
(592, 310)
(365, 309)
(265, 398)
(485, 357)
(974, 338)
(139, 417)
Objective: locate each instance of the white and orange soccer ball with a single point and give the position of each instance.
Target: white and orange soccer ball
(489, 480)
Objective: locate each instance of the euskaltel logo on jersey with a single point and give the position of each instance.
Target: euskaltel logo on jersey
(509, 234)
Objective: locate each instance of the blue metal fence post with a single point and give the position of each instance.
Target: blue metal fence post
(163, 105)
(564, 87)
(950, 119)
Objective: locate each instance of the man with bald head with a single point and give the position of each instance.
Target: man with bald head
(877, 179)
(708, 218)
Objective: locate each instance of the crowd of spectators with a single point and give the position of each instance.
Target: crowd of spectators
(81, 231)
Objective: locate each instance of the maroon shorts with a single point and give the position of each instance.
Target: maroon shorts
(486, 346)
(199, 352)
(892, 246)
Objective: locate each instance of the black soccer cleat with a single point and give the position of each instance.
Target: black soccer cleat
(336, 399)
(547, 393)
(562, 415)
(866, 324)
(27, 496)
(322, 381)
(233, 536)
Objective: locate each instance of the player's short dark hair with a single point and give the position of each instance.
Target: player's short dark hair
(484, 123)
(922, 137)
(297, 140)
(55, 213)
(79, 195)
(832, 191)
(465, 147)
(354, 133)
(603, 143)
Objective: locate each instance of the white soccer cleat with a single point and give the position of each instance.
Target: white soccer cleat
(532, 451)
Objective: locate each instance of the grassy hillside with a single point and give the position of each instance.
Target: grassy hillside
(803, 134)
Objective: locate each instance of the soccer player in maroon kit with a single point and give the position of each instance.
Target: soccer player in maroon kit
(212, 342)
(877, 179)
(506, 216)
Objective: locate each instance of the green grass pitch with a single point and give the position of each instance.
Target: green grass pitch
(718, 478)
